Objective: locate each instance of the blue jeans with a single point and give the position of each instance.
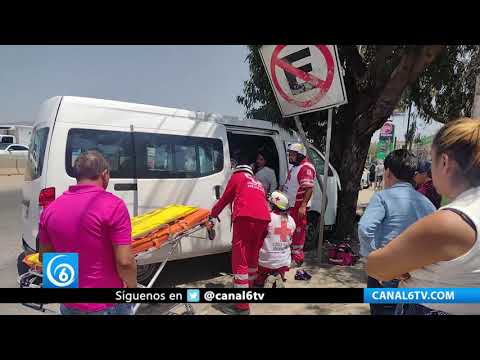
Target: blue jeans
(117, 309)
(382, 309)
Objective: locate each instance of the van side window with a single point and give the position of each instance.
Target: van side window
(115, 146)
(210, 158)
(36, 154)
(161, 156)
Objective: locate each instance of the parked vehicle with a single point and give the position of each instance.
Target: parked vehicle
(158, 156)
(14, 150)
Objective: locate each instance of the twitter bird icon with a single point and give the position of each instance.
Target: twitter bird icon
(193, 295)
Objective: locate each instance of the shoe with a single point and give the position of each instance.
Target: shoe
(269, 282)
(231, 309)
(279, 282)
(302, 275)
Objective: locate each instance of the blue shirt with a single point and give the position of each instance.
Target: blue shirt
(389, 213)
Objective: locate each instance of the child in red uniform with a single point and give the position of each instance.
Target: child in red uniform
(275, 254)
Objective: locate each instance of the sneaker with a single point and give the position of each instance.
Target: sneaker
(302, 275)
(279, 282)
(269, 282)
(231, 309)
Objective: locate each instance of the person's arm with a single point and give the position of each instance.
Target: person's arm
(306, 180)
(441, 236)
(227, 197)
(368, 224)
(45, 244)
(121, 236)
(126, 265)
(293, 226)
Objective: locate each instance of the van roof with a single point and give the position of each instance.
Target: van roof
(160, 110)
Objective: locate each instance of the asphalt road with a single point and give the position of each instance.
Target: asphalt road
(10, 238)
(176, 273)
(206, 271)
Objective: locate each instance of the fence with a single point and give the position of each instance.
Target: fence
(12, 166)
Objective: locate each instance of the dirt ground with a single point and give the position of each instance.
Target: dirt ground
(202, 272)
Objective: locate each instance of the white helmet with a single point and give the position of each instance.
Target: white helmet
(279, 199)
(299, 148)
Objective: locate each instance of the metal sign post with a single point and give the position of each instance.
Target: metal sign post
(304, 79)
(325, 184)
(306, 143)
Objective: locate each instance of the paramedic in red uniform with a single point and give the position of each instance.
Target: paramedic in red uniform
(250, 219)
(299, 189)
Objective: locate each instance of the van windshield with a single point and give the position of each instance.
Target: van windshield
(36, 154)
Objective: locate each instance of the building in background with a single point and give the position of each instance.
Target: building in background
(22, 133)
(386, 142)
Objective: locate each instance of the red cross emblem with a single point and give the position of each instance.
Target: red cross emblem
(283, 231)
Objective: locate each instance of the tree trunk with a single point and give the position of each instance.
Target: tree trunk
(351, 170)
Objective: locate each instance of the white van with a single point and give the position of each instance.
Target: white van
(158, 156)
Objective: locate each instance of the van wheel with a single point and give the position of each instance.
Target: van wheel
(146, 272)
(312, 233)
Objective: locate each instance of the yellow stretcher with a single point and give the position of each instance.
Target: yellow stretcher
(150, 232)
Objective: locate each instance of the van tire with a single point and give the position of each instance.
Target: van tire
(146, 272)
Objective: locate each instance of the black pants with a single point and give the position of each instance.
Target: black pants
(416, 309)
(382, 309)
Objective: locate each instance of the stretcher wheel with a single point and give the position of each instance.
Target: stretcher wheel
(22, 268)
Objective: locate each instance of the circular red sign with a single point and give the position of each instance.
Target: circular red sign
(322, 85)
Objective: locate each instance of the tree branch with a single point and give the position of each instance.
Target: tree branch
(411, 65)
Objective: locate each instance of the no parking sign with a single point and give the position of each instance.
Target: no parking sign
(304, 78)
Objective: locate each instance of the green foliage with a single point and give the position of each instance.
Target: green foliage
(258, 97)
(445, 89)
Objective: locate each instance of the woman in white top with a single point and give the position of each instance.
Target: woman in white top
(442, 249)
(265, 174)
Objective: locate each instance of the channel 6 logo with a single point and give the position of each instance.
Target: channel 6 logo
(60, 270)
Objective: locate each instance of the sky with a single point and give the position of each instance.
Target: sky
(193, 77)
(199, 78)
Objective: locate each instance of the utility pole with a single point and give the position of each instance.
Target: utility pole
(408, 125)
(476, 99)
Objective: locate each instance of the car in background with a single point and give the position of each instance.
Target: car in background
(13, 150)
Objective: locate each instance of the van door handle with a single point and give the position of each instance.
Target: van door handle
(217, 191)
(125, 187)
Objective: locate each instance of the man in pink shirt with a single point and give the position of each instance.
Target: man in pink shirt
(94, 223)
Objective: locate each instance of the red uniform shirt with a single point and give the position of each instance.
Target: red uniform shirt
(247, 195)
(299, 179)
(431, 193)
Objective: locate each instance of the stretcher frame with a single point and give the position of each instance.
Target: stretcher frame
(32, 278)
